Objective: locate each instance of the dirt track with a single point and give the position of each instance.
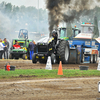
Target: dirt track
(27, 64)
(67, 89)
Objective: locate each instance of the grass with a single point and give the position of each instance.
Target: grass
(42, 73)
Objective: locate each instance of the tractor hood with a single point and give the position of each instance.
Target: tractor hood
(14, 50)
(98, 39)
(43, 40)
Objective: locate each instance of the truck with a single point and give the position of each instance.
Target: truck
(23, 42)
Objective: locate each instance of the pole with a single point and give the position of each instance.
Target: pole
(38, 17)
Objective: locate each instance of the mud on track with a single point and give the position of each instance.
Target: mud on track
(67, 89)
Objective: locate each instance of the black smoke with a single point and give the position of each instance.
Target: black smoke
(67, 10)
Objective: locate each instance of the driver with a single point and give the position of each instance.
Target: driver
(17, 46)
(55, 35)
(22, 35)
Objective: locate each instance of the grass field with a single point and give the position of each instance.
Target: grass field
(42, 73)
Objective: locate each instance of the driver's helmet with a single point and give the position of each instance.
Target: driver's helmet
(54, 33)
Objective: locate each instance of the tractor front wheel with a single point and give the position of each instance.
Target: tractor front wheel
(34, 58)
(24, 56)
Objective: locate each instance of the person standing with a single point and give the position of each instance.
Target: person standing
(6, 43)
(31, 49)
(1, 49)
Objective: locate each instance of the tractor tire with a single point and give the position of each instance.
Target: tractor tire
(63, 51)
(94, 58)
(24, 56)
(57, 59)
(53, 59)
(10, 56)
(34, 58)
(82, 55)
(78, 60)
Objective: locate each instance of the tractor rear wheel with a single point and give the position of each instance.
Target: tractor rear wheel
(34, 58)
(63, 51)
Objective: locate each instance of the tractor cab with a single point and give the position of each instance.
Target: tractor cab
(75, 31)
(64, 34)
(23, 33)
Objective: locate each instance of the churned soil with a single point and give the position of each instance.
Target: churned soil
(49, 89)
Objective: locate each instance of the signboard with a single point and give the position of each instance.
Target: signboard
(94, 51)
(84, 36)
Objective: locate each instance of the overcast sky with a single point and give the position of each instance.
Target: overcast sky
(26, 3)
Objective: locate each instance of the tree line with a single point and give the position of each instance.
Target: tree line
(13, 18)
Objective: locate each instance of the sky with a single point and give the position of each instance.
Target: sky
(26, 3)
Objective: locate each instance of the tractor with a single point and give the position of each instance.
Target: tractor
(57, 46)
(70, 45)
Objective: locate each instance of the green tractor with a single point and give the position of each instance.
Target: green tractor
(23, 52)
(63, 33)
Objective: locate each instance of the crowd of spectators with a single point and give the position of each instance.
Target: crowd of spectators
(4, 46)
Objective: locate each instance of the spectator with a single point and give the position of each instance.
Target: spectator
(31, 49)
(1, 49)
(17, 46)
(6, 43)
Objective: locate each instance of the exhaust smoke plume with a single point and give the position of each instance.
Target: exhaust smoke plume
(68, 10)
